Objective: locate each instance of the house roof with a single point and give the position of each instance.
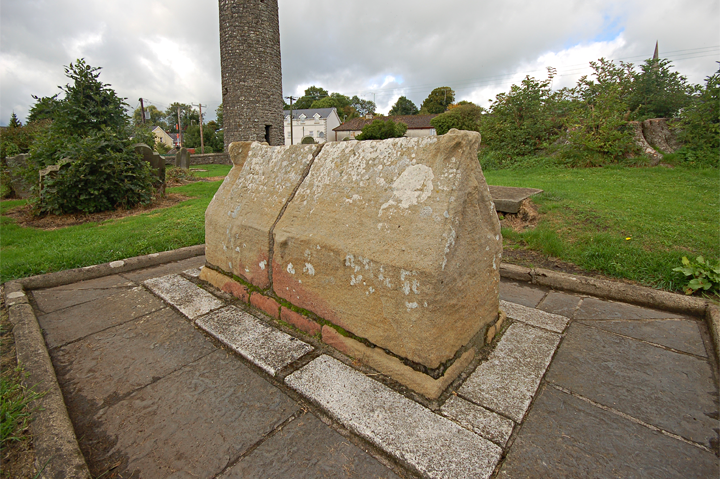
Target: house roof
(413, 122)
(310, 112)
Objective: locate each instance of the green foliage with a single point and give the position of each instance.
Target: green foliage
(15, 412)
(704, 276)
(699, 125)
(438, 100)
(336, 100)
(14, 141)
(191, 139)
(44, 108)
(188, 116)
(219, 116)
(524, 120)
(403, 106)
(463, 117)
(311, 95)
(308, 140)
(14, 122)
(105, 174)
(657, 92)
(161, 147)
(381, 130)
(362, 107)
(156, 117)
(174, 174)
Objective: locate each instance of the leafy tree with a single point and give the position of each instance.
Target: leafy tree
(191, 138)
(403, 106)
(657, 92)
(362, 107)
(219, 116)
(14, 141)
(381, 130)
(699, 125)
(188, 116)
(157, 117)
(311, 95)
(14, 122)
(338, 101)
(462, 117)
(438, 100)
(43, 109)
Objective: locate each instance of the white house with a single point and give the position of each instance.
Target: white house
(316, 123)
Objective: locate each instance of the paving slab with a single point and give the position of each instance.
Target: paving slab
(193, 422)
(681, 334)
(535, 317)
(307, 448)
(565, 437)
(673, 391)
(265, 346)
(165, 269)
(431, 444)
(507, 199)
(521, 293)
(478, 419)
(193, 272)
(75, 322)
(189, 299)
(112, 363)
(593, 308)
(54, 299)
(507, 381)
(560, 303)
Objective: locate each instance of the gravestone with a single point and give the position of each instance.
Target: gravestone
(15, 165)
(182, 158)
(157, 163)
(393, 246)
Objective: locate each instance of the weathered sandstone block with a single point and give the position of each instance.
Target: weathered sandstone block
(239, 218)
(396, 241)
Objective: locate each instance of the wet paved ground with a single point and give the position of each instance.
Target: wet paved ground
(630, 392)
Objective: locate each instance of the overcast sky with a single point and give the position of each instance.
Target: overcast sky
(166, 51)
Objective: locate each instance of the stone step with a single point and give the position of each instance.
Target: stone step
(189, 299)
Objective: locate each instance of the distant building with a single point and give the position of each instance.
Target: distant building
(163, 137)
(418, 125)
(316, 123)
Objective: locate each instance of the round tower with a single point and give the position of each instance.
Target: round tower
(251, 71)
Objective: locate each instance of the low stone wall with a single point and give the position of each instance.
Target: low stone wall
(388, 250)
(211, 159)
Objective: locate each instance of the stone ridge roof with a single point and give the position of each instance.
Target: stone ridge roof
(310, 112)
(413, 122)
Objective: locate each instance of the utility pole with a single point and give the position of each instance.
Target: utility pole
(179, 129)
(202, 141)
(292, 99)
(142, 110)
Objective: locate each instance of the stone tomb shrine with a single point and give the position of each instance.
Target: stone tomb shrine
(387, 250)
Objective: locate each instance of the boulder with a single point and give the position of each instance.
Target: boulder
(658, 134)
(642, 143)
(15, 166)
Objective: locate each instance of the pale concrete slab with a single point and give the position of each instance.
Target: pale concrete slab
(560, 303)
(431, 444)
(565, 437)
(521, 293)
(478, 419)
(307, 448)
(69, 324)
(593, 308)
(508, 380)
(535, 317)
(268, 348)
(673, 391)
(507, 199)
(189, 299)
(681, 334)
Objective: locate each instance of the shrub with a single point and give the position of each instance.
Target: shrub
(381, 130)
(462, 117)
(307, 140)
(699, 125)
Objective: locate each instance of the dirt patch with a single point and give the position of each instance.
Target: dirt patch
(17, 457)
(24, 218)
(526, 217)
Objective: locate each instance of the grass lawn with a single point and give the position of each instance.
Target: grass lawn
(588, 214)
(27, 252)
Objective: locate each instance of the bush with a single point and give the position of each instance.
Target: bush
(382, 130)
(307, 140)
(463, 117)
(699, 126)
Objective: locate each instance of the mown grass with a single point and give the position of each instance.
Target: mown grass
(28, 251)
(587, 216)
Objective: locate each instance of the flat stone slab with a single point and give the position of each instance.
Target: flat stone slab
(307, 448)
(431, 444)
(560, 303)
(75, 322)
(593, 308)
(478, 419)
(669, 390)
(175, 267)
(681, 334)
(565, 437)
(54, 299)
(268, 348)
(521, 294)
(508, 380)
(118, 360)
(535, 317)
(189, 299)
(196, 420)
(508, 198)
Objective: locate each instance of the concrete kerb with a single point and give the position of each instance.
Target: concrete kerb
(626, 293)
(56, 446)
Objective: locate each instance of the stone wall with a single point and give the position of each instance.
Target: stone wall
(390, 250)
(251, 71)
